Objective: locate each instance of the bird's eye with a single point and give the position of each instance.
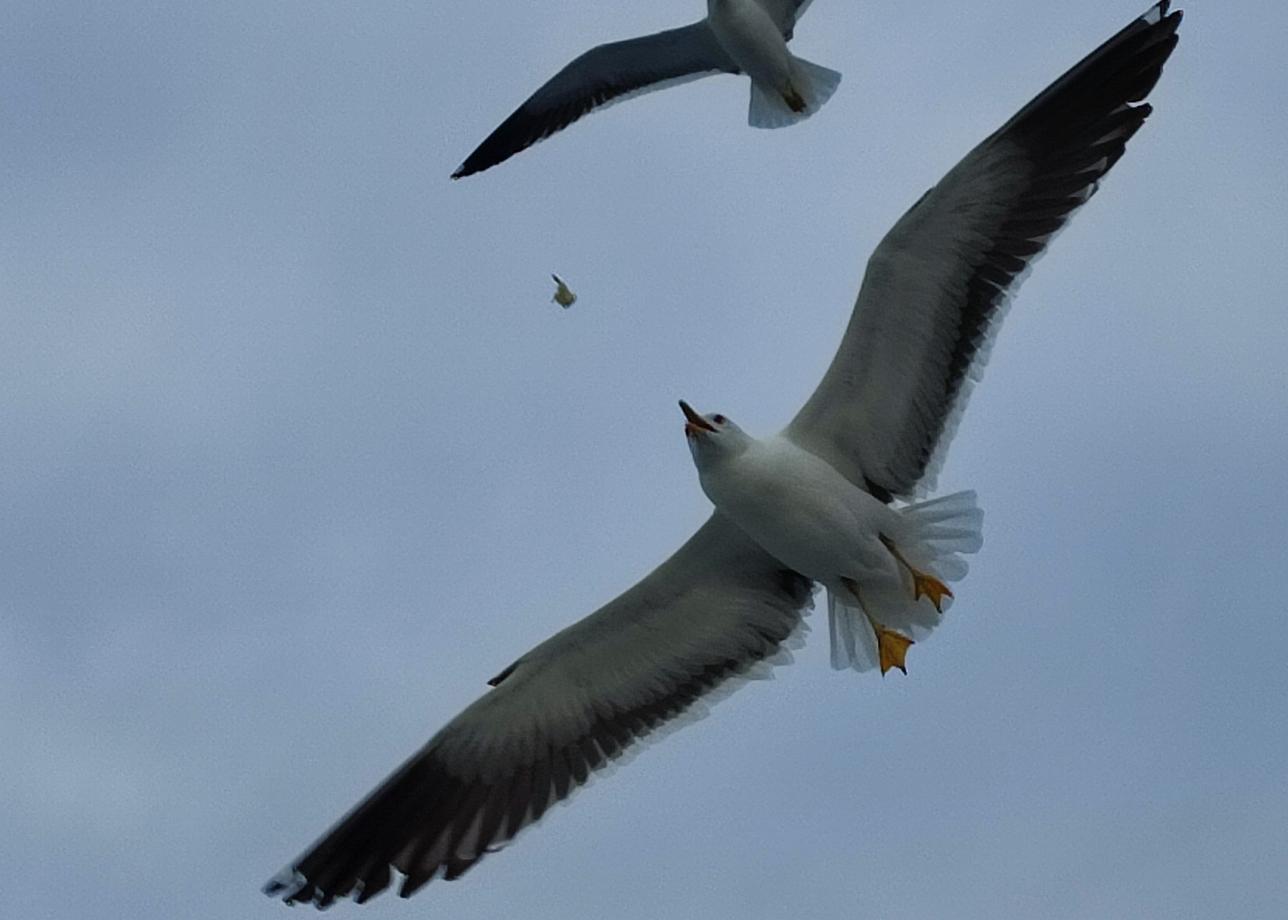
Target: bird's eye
(718, 419)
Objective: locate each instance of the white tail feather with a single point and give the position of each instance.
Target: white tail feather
(853, 644)
(932, 535)
(814, 83)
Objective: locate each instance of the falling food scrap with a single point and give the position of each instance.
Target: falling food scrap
(563, 294)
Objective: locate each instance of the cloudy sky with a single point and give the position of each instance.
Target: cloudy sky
(295, 453)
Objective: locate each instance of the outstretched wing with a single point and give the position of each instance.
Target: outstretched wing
(604, 74)
(563, 710)
(935, 288)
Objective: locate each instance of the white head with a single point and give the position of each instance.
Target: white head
(712, 438)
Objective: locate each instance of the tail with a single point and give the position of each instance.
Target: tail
(933, 537)
(811, 86)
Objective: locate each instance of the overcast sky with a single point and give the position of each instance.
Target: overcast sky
(295, 453)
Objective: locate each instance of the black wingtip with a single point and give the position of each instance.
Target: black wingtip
(1160, 11)
(289, 886)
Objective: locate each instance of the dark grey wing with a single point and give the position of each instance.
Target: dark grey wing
(563, 710)
(935, 288)
(604, 74)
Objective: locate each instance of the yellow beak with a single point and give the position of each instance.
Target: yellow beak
(695, 423)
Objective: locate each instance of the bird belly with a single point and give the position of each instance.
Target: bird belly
(749, 36)
(807, 516)
(816, 546)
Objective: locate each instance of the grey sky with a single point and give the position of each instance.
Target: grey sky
(297, 454)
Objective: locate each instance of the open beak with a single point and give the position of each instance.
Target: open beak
(695, 423)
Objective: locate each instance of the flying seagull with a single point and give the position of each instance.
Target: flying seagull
(932, 296)
(882, 565)
(737, 36)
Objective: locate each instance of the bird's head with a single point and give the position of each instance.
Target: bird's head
(712, 437)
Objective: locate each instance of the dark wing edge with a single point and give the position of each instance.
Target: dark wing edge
(608, 73)
(1014, 192)
(569, 707)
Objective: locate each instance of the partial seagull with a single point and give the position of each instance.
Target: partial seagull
(930, 302)
(737, 36)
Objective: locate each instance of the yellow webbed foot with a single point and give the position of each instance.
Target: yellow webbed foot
(922, 583)
(931, 587)
(892, 648)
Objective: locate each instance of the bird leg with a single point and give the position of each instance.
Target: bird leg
(922, 583)
(892, 647)
(795, 101)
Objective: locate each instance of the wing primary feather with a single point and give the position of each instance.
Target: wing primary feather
(540, 796)
(560, 773)
(520, 800)
(942, 278)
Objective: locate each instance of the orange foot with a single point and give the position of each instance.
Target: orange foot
(931, 587)
(892, 648)
(922, 583)
(795, 101)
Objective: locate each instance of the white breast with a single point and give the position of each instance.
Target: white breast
(752, 39)
(798, 508)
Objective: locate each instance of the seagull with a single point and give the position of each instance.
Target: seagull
(737, 36)
(930, 302)
(877, 561)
